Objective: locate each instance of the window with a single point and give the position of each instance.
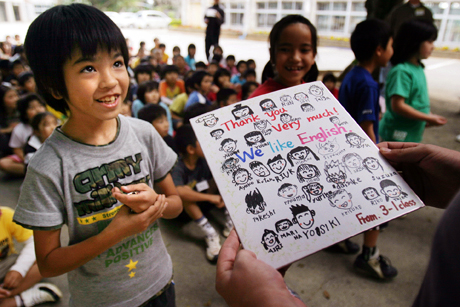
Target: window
(237, 5)
(298, 6)
(271, 20)
(261, 18)
(436, 7)
(287, 5)
(272, 5)
(261, 5)
(354, 20)
(452, 31)
(322, 6)
(358, 7)
(2, 11)
(17, 16)
(338, 23)
(340, 6)
(455, 8)
(322, 23)
(236, 18)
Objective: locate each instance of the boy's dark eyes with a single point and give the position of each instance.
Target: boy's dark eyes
(88, 69)
(119, 64)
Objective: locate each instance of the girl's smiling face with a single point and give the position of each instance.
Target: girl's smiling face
(308, 173)
(294, 54)
(372, 164)
(254, 138)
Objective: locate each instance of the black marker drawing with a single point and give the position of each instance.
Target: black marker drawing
(217, 134)
(283, 225)
(306, 107)
(262, 126)
(208, 120)
(270, 241)
(336, 121)
(307, 172)
(277, 164)
(287, 190)
(255, 202)
(267, 105)
(228, 146)
(353, 162)
(254, 138)
(286, 118)
(302, 216)
(259, 169)
(340, 199)
(286, 100)
(301, 97)
(370, 193)
(241, 176)
(355, 140)
(314, 191)
(301, 154)
(372, 165)
(335, 172)
(317, 92)
(391, 190)
(230, 165)
(328, 148)
(240, 112)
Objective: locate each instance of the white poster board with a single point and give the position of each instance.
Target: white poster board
(297, 173)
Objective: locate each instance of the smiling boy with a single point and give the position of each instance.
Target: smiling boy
(79, 177)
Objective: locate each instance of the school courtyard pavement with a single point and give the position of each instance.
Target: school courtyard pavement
(322, 279)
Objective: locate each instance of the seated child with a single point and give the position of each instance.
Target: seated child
(43, 125)
(221, 80)
(178, 105)
(28, 107)
(251, 64)
(9, 116)
(182, 66)
(330, 81)
(176, 51)
(239, 78)
(19, 272)
(190, 58)
(225, 97)
(170, 86)
(201, 66)
(26, 82)
(231, 65)
(196, 187)
(202, 82)
(212, 68)
(148, 94)
(164, 56)
(248, 88)
(156, 115)
(142, 73)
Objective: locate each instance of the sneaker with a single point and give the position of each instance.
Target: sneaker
(344, 247)
(213, 249)
(41, 293)
(227, 228)
(379, 267)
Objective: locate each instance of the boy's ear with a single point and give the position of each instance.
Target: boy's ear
(56, 95)
(190, 149)
(379, 51)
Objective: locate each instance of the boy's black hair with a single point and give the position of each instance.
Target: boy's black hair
(143, 69)
(162, 45)
(249, 72)
(142, 43)
(200, 64)
(250, 61)
(213, 63)
(219, 73)
(329, 77)
(282, 24)
(16, 62)
(196, 110)
(246, 87)
(56, 34)
(367, 36)
(144, 88)
(169, 69)
(224, 94)
(23, 105)
(410, 36)
(241, 62)
(185, 136)
(151, 112)
(176, 48)
(24, 77)
(35, 122)
(188, 83)
(198, 77)
(191, 46)
(230, 57)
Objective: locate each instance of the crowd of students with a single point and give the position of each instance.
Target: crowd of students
(166, 94)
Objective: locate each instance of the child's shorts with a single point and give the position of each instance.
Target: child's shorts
(166, 299)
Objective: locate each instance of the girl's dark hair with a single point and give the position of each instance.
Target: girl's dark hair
(144, 88)
(143, 69)
(35, 122)
(219, 73)
(23, 105)
(191, 46)
(24, 77)
(246, 87)
(282, 24)
(3, 90)
(185, 136)
(198, 77)
(409, 38)
(151, 112)
(241, 62)
(56, 34)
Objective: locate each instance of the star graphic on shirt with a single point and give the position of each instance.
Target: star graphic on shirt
(132, 274)
(131, 266)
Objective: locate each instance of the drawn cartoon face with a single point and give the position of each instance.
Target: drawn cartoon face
(354, 140)
(372, 163)
(392, 191)
(288, 192)
(241, 112)
(307, 107)
(302, 97)
(370, 193)
(315, 189)
(267, 105)
(229, 146)
(283, 225)
(241, 176)
(328, 148)
(316, 90)
(286, 118)
(335, 120)
(339, 177)
(305, 219)
(210, 122)
(261, 124)
(285, 98)
(353, 162)
(254, 138)
(258, 208)
(278, 165)
(341, 200)
(269, 239)
(217, 134)
(307, 172)
(260, 170)
(230, 164)
(299, 155)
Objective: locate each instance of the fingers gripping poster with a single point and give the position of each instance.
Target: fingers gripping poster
(297, 173)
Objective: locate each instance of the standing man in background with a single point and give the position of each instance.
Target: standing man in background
(214, 18)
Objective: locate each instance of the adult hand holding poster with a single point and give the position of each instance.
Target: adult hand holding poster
(297, 173)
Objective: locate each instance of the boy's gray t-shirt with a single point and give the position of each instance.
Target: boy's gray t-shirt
(68, 182)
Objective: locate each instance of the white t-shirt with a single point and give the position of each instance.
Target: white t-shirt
(20, 135)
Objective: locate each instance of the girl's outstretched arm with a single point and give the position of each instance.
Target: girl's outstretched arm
(399, 106)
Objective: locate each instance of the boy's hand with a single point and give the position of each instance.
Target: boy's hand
(217, 200)
(436, 120)
(141, 199)
(127, 223)
(12, 280)
(4, 293)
